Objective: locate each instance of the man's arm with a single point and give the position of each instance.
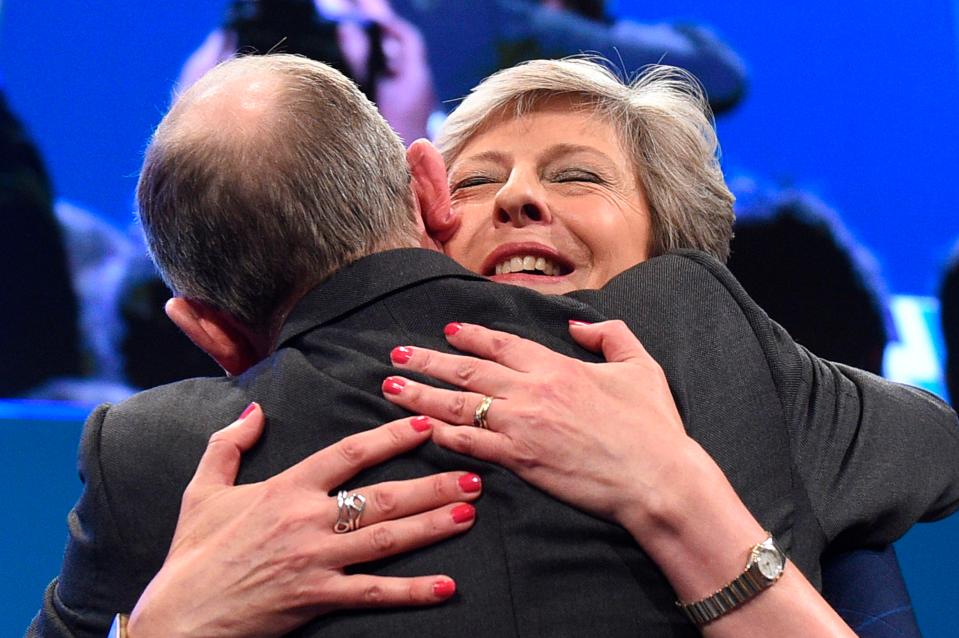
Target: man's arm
(97, 578)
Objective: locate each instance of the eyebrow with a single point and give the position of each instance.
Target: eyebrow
(557, 150)
(497, 157)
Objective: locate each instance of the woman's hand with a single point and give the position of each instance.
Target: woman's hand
(608, 438)
(605, 437)
(262, 559)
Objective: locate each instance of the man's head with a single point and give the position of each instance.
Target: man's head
(265, 177)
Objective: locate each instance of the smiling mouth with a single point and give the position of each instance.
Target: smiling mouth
(530, 265)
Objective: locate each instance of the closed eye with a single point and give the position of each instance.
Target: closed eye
(578, 175)
(471, 181)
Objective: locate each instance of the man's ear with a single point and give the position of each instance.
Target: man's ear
(432, 192)
(217, 334)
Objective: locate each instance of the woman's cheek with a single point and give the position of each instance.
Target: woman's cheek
(465, 246)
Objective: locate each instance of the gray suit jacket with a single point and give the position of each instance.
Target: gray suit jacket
(821, 454)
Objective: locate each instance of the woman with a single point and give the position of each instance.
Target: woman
(561, 177)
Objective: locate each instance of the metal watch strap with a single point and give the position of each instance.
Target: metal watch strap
(743, 588)
(119, 627)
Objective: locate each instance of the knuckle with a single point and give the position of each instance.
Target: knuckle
(396, 434)
(351, 451)
(190, 498)
(525, 457)
(465, 441)
(466, 371)
(382, 540)
(534, 415)
(298, 562)
(439, 487)
(435, 527)
(425, 360)
(221, 443)
(384, 500)
(374, 595)
(413, 596)
(218, 438)
(458, 405)
(545, 389)
(501, 344)
(308, 593)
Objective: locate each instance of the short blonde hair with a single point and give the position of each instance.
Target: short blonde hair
(664, 124)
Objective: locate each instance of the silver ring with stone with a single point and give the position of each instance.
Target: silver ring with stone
(351, 507)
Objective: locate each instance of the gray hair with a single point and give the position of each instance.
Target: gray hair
(244, 213)
(664, 124)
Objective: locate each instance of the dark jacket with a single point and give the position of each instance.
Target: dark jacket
(821, 454)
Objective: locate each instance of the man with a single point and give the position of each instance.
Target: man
(286, 232)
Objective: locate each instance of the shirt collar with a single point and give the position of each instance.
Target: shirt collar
(364, 281)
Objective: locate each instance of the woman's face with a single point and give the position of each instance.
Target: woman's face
(548, 201)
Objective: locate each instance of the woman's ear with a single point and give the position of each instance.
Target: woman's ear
(431, 190)
(214, 332)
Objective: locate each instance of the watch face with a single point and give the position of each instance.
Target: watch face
(769, 562)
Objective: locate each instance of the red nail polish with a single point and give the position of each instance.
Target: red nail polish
(576, 322)
(420, 423)
(401, 354)
(451, 329)
(463, 513)
(248, 409)
(393, 385)
(444, 588)
(470, 483)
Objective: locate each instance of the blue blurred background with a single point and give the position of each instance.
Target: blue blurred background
(853, 101)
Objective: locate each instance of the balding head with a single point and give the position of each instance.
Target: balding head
(240, 100)
(266, 176)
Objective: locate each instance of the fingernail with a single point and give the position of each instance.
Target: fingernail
(576, 322)
(420, 423)
(463, 513)
(470, 483)
(248, 409)
(393, 385)
(451, 329)
(401, 354)
(444, 588)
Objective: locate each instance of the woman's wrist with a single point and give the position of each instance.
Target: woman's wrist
(693, 524)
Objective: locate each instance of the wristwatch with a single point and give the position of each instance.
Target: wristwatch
(766, 564)
(119, 627)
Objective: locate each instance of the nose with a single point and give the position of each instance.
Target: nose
(521, 201)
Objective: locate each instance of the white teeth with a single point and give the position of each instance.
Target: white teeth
(527, 263)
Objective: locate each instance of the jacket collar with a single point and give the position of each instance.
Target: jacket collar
(363, 282)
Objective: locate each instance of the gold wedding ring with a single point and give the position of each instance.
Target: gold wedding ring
(479, 417)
